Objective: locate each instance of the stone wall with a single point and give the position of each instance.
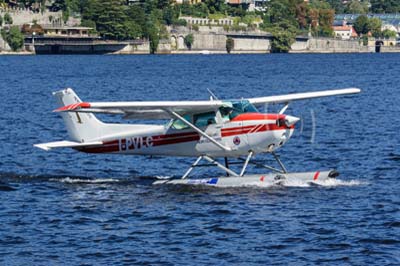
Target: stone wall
(390, 49)
(328, 45)
(249, 44)
(204, 41)
(217, 42)
(23, 16)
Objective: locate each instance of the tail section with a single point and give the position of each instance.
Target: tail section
(82, 127)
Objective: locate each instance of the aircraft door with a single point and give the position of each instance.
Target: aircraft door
(207, 122)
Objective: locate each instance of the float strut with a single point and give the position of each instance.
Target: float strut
(211, 160)
(279, 162)
(226, 165)
(246, 162)
(192, 167)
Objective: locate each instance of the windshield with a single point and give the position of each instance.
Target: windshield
(235, 108)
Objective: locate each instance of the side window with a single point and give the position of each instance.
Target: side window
(178, 124)
(205, 119)
(225, 112)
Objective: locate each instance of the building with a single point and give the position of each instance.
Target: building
(65, 31)
(345, 32)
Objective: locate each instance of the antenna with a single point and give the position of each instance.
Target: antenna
(212, 95)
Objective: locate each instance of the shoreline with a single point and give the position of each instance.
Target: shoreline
(367, 50)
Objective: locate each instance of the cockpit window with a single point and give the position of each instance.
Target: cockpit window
(199, 120)
(235, 108)
(178, 124)
(205, 119)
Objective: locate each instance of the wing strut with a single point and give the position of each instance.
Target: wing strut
(177, 116)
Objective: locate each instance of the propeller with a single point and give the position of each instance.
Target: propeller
(308, 125)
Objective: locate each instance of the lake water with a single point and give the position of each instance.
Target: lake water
(68, 208)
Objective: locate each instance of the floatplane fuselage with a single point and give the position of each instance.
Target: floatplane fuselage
(203, 129)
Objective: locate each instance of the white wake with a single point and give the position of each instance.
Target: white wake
(69, 180)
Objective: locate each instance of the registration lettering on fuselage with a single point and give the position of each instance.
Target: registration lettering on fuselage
(135, 143)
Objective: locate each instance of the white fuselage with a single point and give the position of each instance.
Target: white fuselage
(247, 132)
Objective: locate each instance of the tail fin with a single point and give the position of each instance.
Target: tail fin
(82, 127)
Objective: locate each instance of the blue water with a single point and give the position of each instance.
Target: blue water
(67, 208)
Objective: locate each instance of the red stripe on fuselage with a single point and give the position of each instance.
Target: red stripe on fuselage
(175, 138)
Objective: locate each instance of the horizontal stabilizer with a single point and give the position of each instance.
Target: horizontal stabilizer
(66, 144)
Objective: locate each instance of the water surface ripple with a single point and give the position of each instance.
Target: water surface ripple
(65, 207)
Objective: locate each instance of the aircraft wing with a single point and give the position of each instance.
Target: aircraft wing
(144, 110)
(169, 109)
(301, 96)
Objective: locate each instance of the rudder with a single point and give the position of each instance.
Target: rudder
(82, 127)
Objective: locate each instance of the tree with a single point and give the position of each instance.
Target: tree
(301, 15)
(357, 7)
(90, 24)
(361, 25)
(326, 18)
(280, 10)
(154, 38)
(337, 5)
(284, 35)
(169, 15)
(389, 34)
(8, 19)
(375, 25)
(188, 40)
(14, 38)
(385, 6)
(230, 44)
(1, 21)
(111, 20)
(132, 30)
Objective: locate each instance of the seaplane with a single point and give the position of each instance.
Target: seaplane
(216, 132)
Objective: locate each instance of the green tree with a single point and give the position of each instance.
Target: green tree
(375, 25)
(326, 18)
(90, 24)
(154, 38)
(170, 16)
(189, 40)
(389, 34)
(132, 30)
(385, 6)
(361, 25)
(1, 21)
(357, 7)
(284, 35)
(137, 14)
(111, 19)
(14, 38)
(280, 10)
(8, 19)
(337, 5)
(230, 44)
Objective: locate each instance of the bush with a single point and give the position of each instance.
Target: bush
(230, 44)
(8, 19)
(195, 27)
(180, 22)
(189, 39)
(14, 38)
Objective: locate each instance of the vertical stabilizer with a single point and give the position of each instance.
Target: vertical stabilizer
(82, 127)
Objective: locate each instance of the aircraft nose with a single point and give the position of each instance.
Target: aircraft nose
(291, 120)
